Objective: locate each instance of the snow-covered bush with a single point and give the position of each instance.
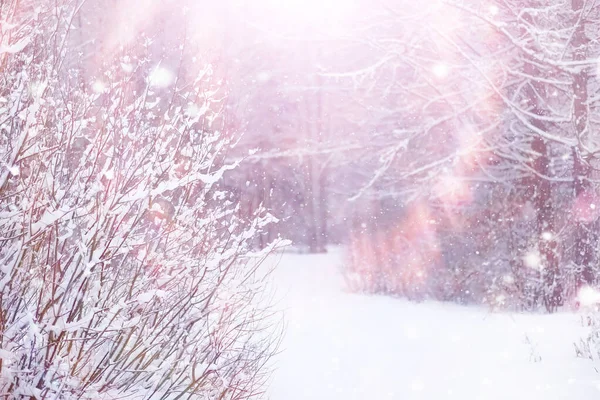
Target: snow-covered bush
(484, 252)
(393, 259)
(124, 271)
(587, 303)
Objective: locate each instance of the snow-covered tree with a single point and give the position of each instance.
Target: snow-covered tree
(465, 100)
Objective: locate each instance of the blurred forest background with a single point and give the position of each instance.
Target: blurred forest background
(450, 145)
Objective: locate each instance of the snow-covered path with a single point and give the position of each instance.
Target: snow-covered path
(345, 346)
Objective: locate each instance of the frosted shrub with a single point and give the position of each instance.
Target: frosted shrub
(124, 270)
(589, 346)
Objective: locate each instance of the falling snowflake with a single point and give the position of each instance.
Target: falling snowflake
(263, 76)
(547, 236)
(440, 70)
(533, 260)
(161, 77)
(99, 87)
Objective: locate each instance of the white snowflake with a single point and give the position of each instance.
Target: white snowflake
(440, 70)
(533, 260)
(161, 77)
(99, 87)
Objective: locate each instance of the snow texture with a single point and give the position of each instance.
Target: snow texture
(356, 347)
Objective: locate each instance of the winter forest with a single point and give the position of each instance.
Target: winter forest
(299, 199)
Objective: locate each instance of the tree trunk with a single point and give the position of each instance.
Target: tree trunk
(323, 208)
(547, 246)
(315, 239)
(317, 179)
(584, 237)
(542, 199)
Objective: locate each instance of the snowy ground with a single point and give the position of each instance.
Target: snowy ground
(345, 346)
